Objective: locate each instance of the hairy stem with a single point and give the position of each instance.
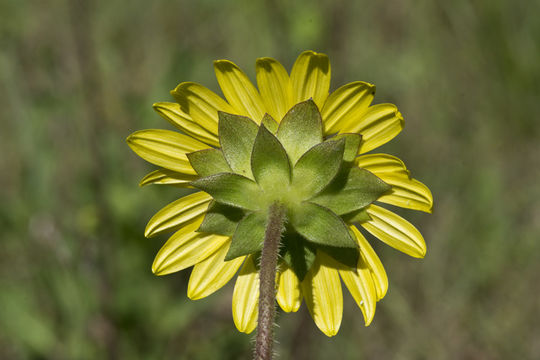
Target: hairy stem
(267, 282)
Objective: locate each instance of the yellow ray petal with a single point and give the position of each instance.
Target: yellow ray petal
(361, 286)
(407, 193)
(167, 177)
(239, 91)
(380, 279)
(346, 105)
(213, 273)
(395, 231)
(275, 87)
(378, 125)
(165, 148)
(201, 104)
(178, 213)
(380, 164)
(288, 296)
(185, 248)
(322, 292)
(310, 78)
(174, 114)
(246, 297)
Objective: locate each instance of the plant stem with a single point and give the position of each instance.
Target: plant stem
(267, 281)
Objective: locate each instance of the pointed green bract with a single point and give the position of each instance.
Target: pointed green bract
(270, 123)
(352, 144)
(321, 226)
(269, 162)
(300, 129)
(358, 216)
(299, 254)
(221, 219)
(231, 189)
(236, 136)
(248, 237)
(352, 189)
(317, 168)
(345, 256)
(208, 162)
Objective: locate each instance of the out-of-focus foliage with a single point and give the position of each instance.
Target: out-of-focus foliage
(76, 77)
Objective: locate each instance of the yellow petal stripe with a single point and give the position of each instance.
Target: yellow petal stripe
(378, 125)
(185, 248)
(380, 279)
(167, 177)
(239, 91)
(288, 296)
(246, 297)
(176, 116)
(275, 87)
(380, 164)
(346, 105)
(201, 104)
(322, 291)
(165, 148)
(395, 231)
(213, 273)
(407, 193)
(361, 286)
(310, 78)
(178, 213)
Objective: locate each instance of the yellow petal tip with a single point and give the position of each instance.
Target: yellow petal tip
(421, 254)
(222, 62)
(156, 269)
(193, 295)
(314, 53)
(368, 317)
(262, 59)
(330, 332)
(159, 107)
(246, 331)
(181, 86)
(148, 232)
(159, 270)
(290, 309)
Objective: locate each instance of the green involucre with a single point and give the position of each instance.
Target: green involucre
(317, 181)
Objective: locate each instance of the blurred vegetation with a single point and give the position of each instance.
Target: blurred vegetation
(76, 77)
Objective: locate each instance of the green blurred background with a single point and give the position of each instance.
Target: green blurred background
(77, 77)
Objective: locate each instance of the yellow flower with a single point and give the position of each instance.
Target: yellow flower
(346, 110)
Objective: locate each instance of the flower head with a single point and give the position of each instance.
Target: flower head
(290, 142)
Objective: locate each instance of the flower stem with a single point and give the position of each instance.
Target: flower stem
(267, 281)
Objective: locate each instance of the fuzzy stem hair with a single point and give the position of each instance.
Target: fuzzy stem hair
(267, 281)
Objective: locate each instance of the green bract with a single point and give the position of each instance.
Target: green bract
(290, 163)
